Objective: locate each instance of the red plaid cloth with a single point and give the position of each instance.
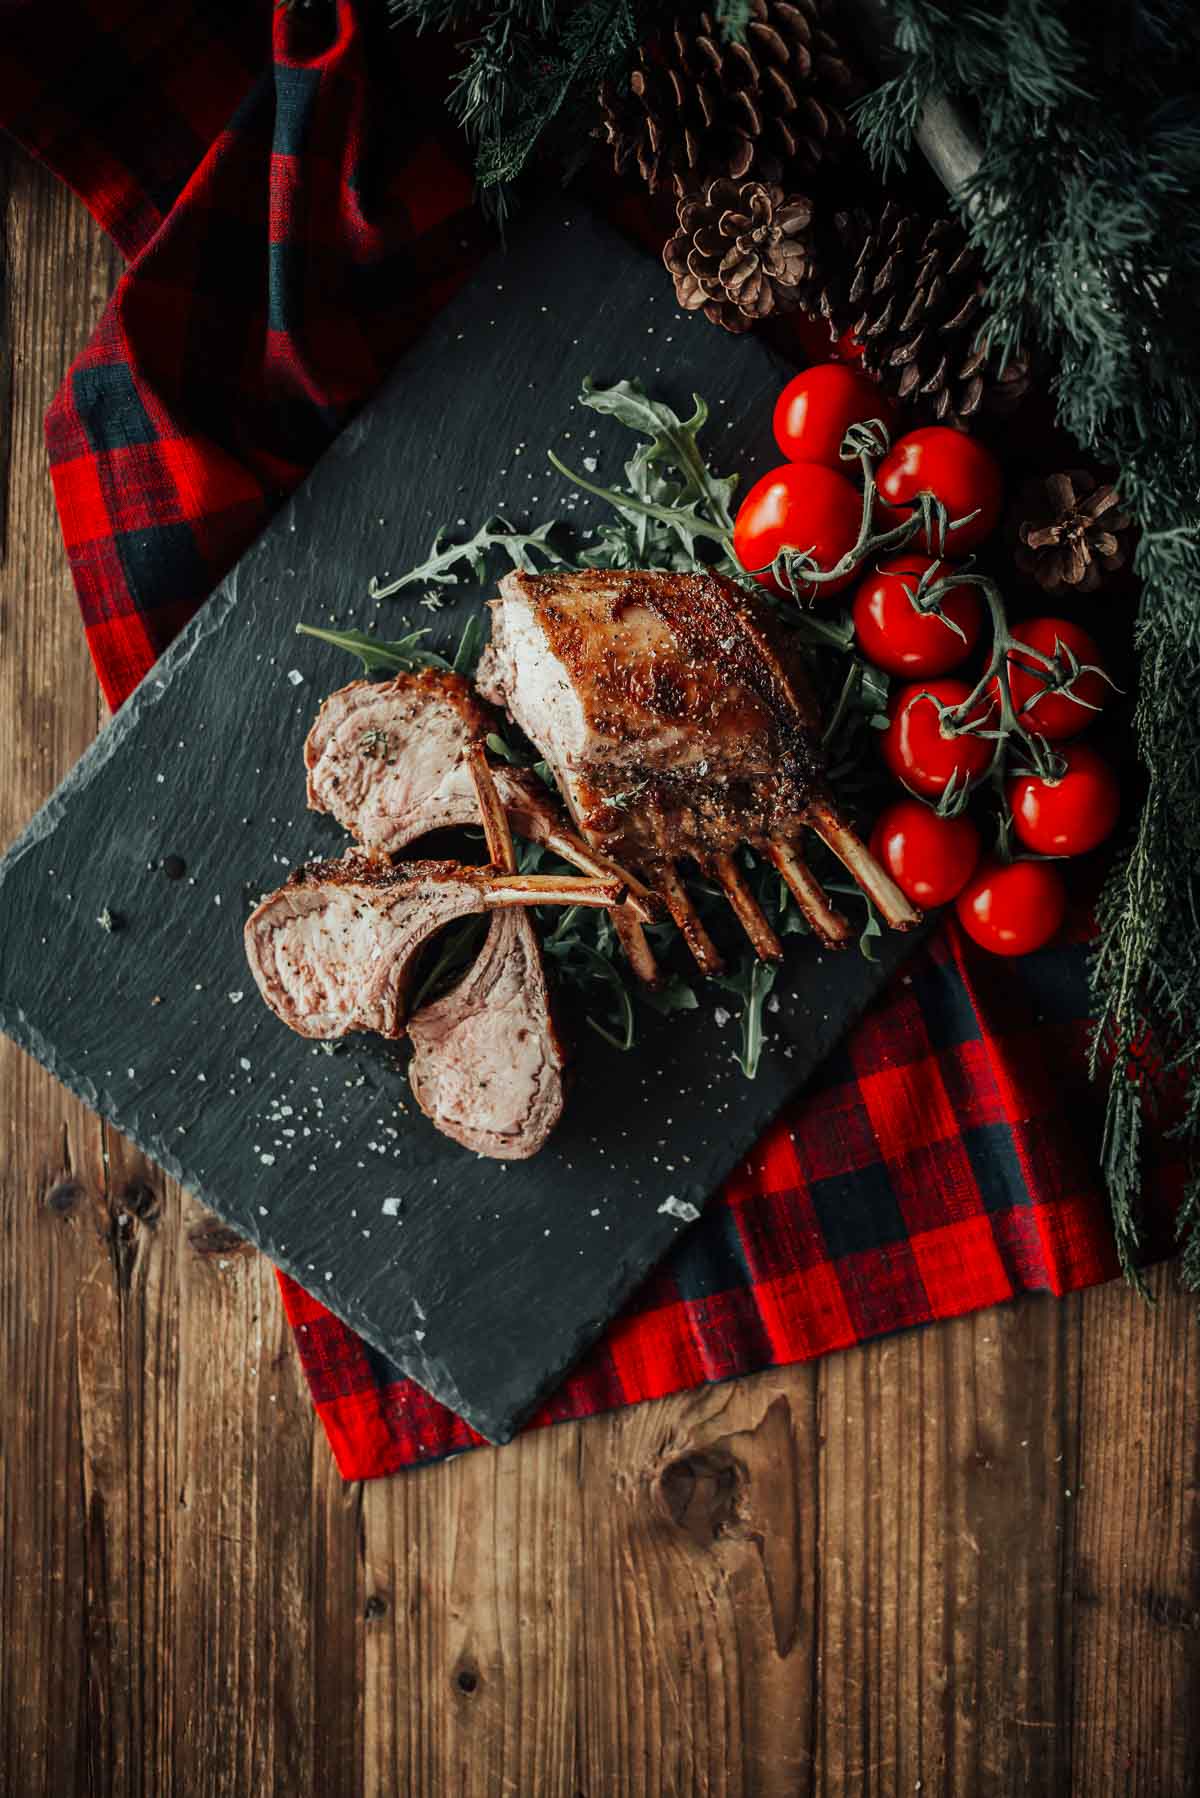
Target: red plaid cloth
(289, 228)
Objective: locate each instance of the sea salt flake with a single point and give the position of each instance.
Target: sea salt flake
(295, 676)
(390, 1207)
(683, 1209)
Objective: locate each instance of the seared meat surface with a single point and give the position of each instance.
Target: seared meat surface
(676, 718)
(679, 723)
(334, 950)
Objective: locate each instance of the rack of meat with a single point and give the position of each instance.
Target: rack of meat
(678, 723)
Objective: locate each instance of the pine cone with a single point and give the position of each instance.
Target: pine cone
(741, 252)
(1071, 531)
(911, 290)
(697, 108)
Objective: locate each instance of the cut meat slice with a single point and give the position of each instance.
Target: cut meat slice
(487, 1065)
(386, 759)
(333, 951)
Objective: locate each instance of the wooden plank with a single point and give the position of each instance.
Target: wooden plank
(48, 714)
(1135, 1576)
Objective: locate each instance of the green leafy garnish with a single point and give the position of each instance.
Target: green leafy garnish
(378, 656)
(444, 559)
(752, 982)
(674, 994)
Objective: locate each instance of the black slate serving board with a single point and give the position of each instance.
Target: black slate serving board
(482, 1282)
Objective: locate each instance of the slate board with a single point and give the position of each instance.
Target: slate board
(482, 1282)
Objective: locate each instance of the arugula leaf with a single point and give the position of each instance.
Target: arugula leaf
(377, 655)
(469, 646)
(578, 960)
(674, 501)
(673, 440)
(521, 547)
(752, 982)
(673, 995)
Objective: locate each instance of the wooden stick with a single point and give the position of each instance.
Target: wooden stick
(750, 915)
(825, 922)
(896, 909)
(707, 956)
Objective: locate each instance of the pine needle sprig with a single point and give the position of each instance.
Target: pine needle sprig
(530, 74)
(1086, 210)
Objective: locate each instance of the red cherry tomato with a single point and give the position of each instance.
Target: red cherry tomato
(799, 506)
(817, 408)
(1060, 714)
(914, 746)
(848, 348)
(895, 636)
(929, 858)
(1071, 815)
(956, 468)
(1013, 908)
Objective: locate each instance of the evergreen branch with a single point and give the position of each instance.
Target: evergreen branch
(1086, 210)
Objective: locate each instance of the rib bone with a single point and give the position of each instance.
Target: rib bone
(826, 923)
(749, 913)
(894, 907)
(687, 918)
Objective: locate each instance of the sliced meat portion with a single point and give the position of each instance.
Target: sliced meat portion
(334, 950)
(487, 1065)
(387, 760)
(679, 722)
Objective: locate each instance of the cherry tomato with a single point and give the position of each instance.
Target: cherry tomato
(799, 506)
(929, 858)
(1071, 815)
(956, 468)
(895, 636)
(848, 348)
(1012, 908)
(817, 408)
(914, 746)
(1065, 713)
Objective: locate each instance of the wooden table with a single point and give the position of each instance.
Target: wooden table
(965, 1560)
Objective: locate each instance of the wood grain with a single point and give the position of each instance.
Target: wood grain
(964, 1560)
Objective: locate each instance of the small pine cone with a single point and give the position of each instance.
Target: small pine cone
(741, 252)
(696, 108)
(1071, 531)
(912, 291)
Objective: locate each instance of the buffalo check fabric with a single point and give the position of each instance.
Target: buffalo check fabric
(288, 227)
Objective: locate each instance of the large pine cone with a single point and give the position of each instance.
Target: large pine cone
(696, 108)
(912, 290)
(741, 252)
(1071, 532)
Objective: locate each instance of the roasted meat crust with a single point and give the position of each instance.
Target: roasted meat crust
(675, 714)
